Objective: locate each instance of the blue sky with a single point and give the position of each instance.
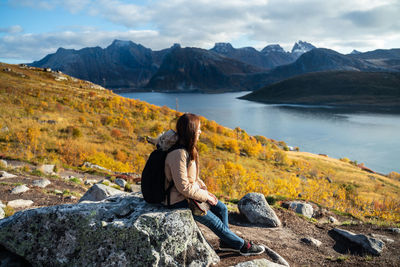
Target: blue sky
(31, 29)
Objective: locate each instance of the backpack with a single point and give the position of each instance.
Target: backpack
(153, 176)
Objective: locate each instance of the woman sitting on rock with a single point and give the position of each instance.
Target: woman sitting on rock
(181, 169)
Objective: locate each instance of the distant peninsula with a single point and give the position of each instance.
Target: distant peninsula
(336, 88)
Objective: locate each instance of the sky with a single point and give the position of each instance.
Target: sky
(31, 29)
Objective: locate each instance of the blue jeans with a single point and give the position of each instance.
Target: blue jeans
(216, 220)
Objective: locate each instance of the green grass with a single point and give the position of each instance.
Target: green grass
(75, 180)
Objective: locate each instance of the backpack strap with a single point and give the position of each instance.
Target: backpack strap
(168, 191)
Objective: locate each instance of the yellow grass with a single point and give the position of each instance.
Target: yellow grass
(93, 124)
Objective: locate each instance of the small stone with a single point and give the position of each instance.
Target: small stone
(2, 205)
(332, 219)
(302, 208)
(19, 189)
(19, 203)
(57, 191)
(2, 213)
(311, 241)
(90, 182)
(71, 197)
(4, 175)
(3, 163)
(41, 183)
(120, 182)
(383, 238)
(47, 169)
(395, 230)
(258, 263)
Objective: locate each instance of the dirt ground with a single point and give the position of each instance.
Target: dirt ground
(284, 240)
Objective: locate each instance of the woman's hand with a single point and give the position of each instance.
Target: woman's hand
(212, 200)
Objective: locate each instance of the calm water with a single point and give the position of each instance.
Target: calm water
(371, 138)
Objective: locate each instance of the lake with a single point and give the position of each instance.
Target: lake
(368, 137)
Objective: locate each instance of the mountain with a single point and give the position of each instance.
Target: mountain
(334, 88)
(122, 64)
(248, 55)
(316, 60)
(195, 69)
(269, 57)
(300, 48)
(385, 58)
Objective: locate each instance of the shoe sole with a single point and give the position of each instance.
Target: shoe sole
(253, 253)
(230, 250)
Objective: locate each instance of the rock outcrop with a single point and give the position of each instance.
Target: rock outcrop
(259, 263)
(369, 244)
(119, 231)
(256, 209)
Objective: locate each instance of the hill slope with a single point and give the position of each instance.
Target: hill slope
(334, 88)
(48, 117)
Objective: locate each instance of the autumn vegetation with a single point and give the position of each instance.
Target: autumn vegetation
(70, 122)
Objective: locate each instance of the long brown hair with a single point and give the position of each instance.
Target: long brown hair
(187, 127)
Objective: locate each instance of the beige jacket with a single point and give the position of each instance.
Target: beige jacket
(186, 185)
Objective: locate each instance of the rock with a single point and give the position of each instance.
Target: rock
(47, 169)
(19, 189)
(2, 213)
(19, 203)
(94, 166)
(41, 183)
(71, 197)
(302, 208)
(2, 205)
(57, 191)
(370, 244)
(333, 220)
(5, 129)
(90, 182)
(395, 230)
(4, 175)
(383, 238)
(133, 232)
(99, 192)
(311, 241)
(258, 263)
(256, 209)
(3, 163)
(120, 182)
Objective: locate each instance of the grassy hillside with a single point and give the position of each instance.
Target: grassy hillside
(334, 88)
(47, 117)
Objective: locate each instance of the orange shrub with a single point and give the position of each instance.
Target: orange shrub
(116, 133)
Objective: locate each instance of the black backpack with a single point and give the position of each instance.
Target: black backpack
(153, 176)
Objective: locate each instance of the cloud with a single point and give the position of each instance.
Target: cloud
(72, 6)
(12, 29)
(32, 47)
(338, 24)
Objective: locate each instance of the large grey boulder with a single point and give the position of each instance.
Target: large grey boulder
(302, 208)
(370, 244)
(256, 209)
(99, 192)
(259, 263)
(119, 231)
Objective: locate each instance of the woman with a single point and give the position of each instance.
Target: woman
(181, 168)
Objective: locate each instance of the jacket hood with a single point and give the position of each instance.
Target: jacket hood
(167, 139)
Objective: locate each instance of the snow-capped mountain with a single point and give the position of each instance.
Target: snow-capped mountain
(301, 47)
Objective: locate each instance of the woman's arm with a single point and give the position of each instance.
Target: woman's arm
(177, 162)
